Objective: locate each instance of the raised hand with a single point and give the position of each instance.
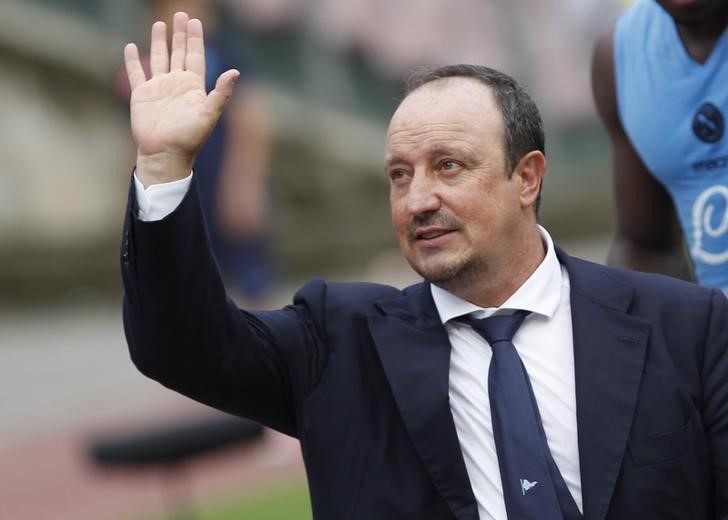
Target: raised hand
(171, 114)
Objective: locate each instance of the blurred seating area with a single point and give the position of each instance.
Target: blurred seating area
(331, 74)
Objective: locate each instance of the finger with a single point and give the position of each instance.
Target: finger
(179, 41)
(195, 57)
(158, 53)
(134, 70)
(217, 99)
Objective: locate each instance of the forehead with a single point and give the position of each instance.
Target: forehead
(459, 107)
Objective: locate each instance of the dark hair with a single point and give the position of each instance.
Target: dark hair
(521, 119)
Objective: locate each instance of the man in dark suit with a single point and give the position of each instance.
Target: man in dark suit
(515, 382)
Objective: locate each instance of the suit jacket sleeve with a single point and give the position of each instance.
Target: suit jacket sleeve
(184, 332)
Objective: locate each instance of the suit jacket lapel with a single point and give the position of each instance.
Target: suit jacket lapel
(609, 355)
(414, 349)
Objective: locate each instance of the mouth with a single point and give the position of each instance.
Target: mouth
(431, 234)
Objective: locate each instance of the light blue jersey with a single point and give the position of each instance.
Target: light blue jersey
(674, 111)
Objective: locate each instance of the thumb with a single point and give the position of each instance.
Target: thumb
(219, 96)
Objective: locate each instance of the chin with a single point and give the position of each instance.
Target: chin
(445, 274)
(695, 12)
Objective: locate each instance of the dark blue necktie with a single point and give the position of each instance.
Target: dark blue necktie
(533, 487)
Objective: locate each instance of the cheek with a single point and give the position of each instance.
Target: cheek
(399, 217)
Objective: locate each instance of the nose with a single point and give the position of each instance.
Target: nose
(422, 195)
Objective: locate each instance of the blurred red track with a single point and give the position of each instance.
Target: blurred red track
(52, 477)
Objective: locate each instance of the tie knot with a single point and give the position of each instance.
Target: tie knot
(501, 327)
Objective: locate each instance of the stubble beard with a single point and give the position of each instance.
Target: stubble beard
(454, 275)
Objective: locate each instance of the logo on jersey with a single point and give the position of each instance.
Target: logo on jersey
(708, 123)
(710, 223)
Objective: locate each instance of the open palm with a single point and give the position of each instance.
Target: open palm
(171, 114)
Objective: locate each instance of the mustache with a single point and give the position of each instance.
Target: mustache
(433, 218)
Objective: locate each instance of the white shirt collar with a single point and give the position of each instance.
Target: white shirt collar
(539, 294)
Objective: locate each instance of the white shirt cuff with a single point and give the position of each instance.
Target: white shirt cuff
(159, 200)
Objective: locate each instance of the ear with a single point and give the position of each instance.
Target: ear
(530, 170)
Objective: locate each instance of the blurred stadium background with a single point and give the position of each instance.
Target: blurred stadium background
(331, 72)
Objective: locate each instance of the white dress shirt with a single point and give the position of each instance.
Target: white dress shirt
(159, 200)
(545, 344)
(544, 341)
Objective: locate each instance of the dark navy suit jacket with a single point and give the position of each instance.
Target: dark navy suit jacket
(359, 374)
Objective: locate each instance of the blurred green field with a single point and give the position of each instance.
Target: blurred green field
(288, 502)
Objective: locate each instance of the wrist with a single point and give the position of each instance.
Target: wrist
(161, 168)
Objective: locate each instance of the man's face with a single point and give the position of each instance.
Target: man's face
(454, 207)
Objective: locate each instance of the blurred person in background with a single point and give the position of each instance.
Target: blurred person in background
(233, 165)
(660, 82)
(515, 382)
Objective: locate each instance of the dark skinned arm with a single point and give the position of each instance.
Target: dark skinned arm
(648, 237)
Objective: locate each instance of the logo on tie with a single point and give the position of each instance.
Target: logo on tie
(527, 486)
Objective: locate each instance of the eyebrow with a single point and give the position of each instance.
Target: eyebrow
(438, 151)
(389, 161)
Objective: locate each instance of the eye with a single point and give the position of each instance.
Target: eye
(449, 165)
(397, 175)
